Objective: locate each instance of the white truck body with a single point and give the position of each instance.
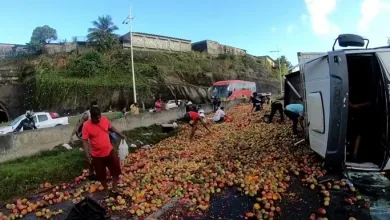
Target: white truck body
(326, 79)
(42, 120)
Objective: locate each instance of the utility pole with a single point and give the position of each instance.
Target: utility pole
(280, 68)
(129, 20)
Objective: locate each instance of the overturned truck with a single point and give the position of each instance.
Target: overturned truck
(346, 98)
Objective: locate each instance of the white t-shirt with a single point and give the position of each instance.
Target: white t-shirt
(201, 113)
(88, 113)
(218, 115)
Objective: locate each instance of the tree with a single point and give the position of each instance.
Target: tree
(41, 36)
(388, 41)
(102, 35)
(284, 63)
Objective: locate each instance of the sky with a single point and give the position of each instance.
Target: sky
(257, 26)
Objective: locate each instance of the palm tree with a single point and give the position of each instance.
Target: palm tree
(102, 34)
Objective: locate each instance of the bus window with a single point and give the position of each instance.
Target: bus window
(220, 91)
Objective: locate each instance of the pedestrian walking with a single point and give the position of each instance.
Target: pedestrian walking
(78, 132)
(98, 148)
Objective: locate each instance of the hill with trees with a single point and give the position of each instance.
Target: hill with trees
(103, 72)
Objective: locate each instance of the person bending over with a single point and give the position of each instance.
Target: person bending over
(295, 113)
(276, 106)
(193, 119)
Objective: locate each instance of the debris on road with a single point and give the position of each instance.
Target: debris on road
(258, 160)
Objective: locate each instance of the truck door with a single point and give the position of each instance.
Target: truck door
(326, 84)
(338, 110)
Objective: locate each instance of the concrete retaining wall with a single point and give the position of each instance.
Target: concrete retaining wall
(31, 142)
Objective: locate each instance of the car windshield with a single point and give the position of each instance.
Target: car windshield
(16, 120)
(220, 91)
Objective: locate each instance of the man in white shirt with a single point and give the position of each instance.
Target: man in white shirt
(201, 113)
(219, 115)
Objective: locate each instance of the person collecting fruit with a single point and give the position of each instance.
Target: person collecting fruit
(193, 119)
(276, 106)
(256, 101)
(295, 113)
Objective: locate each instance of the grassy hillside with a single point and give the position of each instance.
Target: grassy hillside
(62, 80)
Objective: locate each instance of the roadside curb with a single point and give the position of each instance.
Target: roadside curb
(163, 209)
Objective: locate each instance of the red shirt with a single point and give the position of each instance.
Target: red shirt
(98, 137)
(194, 115)
(158, 106)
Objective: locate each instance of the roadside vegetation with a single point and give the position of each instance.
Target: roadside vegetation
(23, 176)
(69, 79)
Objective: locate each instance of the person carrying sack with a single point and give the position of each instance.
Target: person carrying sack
(96, 136)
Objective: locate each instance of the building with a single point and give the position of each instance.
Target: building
(267, 59)
(11, 50)
(143, 41)
(215, 48)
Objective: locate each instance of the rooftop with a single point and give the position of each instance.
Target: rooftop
(126, 36)
(266, 56)
(202, 41)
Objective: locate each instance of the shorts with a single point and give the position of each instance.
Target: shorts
(111, 162)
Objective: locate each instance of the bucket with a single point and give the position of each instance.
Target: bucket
(267, 118)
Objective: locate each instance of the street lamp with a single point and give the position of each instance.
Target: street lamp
(129, 20)
(280, 69)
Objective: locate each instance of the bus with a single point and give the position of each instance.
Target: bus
(233, 89)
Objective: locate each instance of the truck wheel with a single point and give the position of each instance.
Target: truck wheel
(58, 125)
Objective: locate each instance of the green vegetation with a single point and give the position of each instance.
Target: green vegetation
(64, 79)
(102, 34)
(40, 37)
(21, 177)
(284, 63)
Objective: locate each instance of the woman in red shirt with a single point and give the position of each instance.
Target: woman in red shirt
(193, 118)
(158, 105)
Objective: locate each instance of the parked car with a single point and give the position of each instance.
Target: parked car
(42, 120)
(172, 104)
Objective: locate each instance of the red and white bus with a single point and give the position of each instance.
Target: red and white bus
(232, 89)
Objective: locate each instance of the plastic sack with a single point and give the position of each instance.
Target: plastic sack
(123, 150)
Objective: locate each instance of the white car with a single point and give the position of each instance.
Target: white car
(42, 120)
(172, 104)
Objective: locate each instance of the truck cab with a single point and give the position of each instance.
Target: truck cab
(346, 98)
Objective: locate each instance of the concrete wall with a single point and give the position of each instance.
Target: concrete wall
(11, 50)
(215, 48)
(59, 48)
(31, 142)
(12, 99)
(156, 42)
(12, 93)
